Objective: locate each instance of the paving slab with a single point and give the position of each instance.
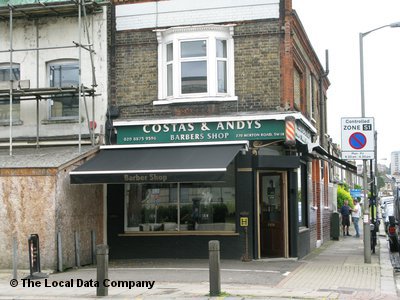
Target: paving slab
(336, 270)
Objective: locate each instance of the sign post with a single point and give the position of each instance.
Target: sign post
(34, 258)
(358, 143)
(244, 223)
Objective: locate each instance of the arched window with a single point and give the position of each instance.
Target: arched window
(64, 73)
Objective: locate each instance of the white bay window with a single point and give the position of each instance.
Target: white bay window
(196, 64)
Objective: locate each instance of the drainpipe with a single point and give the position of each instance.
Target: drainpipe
(322, 103)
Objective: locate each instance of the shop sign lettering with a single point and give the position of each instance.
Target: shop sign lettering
(145, 178)
(201, 132)
(303, 134)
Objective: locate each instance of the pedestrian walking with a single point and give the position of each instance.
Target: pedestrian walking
(345, 211)
(355, 216)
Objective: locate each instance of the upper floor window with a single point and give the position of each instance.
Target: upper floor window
(297, 91)
(5, 100)
(313, 97)
(64, 74)
(5, 72)
(196, 64)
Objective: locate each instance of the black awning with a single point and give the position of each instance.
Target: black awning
(341, 163)
(164, 164)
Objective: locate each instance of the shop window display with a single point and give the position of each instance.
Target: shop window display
(180, 207)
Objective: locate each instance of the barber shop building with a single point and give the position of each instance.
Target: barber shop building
(216, 126)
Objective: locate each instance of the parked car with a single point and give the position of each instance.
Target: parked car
(385, 201)
(387, 211)
(391, 224)
(393, 234)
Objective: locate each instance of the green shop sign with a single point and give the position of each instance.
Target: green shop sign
(201, 132)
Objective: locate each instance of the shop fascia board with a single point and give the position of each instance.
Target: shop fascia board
(252, 117)
(245, 144)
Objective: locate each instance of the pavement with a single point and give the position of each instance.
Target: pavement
(336, 270)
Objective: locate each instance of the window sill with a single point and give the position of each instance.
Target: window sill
(303, 229)
(194, 100)
(14, 123)
(59, 121)
(181, 233)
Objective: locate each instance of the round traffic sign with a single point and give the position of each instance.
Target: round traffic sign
(357, 140)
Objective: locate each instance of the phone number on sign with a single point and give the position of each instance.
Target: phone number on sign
(139, 138)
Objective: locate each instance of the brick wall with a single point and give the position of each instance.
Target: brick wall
(257, 66)
(321, 206)
(257, 73)
(328, 206)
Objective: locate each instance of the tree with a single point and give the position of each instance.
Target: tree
(381, 183)
(343, 195)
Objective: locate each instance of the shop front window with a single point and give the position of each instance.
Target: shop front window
(206, 207)
(151, 207)
(180, 207)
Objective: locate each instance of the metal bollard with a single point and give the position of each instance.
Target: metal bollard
(93, 240)
(15, 258)
(102, 269)
(77, 250)
(215, 270)
(59, 253)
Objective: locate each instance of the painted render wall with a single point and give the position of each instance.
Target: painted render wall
(56, 32)
(152, 14)
(24, 2)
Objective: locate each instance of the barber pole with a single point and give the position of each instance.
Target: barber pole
(290, 131)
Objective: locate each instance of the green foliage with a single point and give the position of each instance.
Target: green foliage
(342, 195)
(381, 183)
(345, 186)
(357, 187)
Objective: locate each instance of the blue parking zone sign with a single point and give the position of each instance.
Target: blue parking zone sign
(358, 138)
(355, 193)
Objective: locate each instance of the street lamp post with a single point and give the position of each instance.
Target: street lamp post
(366, 217)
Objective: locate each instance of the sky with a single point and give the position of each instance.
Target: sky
(335, 25)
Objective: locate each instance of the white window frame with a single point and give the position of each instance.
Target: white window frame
(16, 103)
(313, 97)
(6, 66)
(209, 33)
(66, 61)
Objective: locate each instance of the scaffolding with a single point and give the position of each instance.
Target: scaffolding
(20, 89)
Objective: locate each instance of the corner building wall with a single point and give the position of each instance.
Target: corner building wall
(257, 73)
